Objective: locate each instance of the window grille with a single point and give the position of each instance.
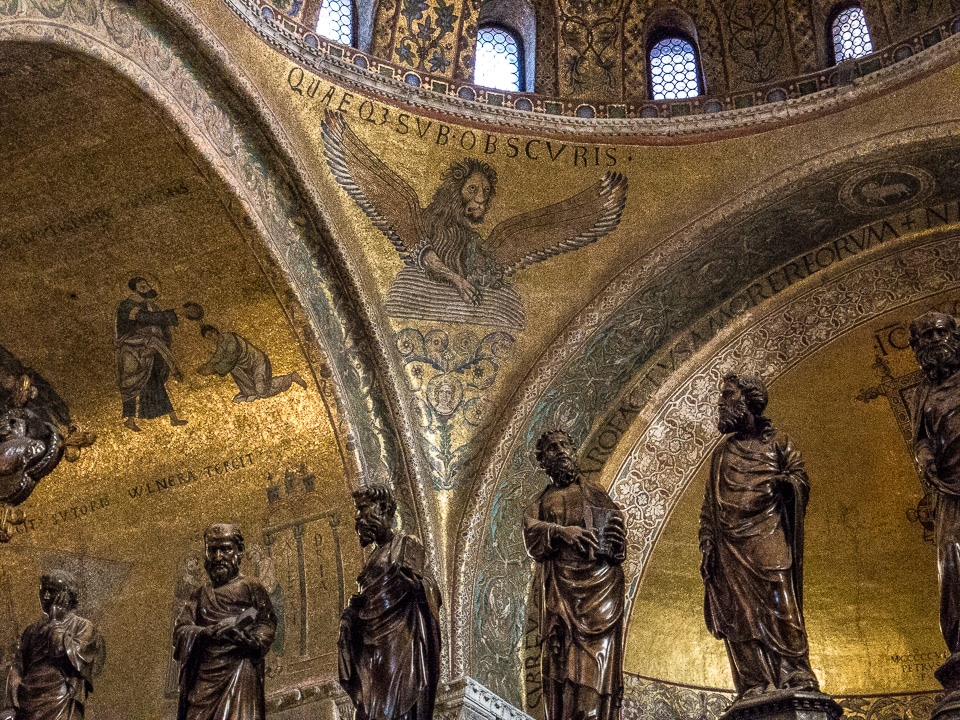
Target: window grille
(851, 37)
(498, 64)
(335, 21)
(673, 70)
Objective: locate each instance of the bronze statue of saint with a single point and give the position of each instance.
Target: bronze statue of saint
(935, 340)
(751, 538)
(222, 636)
(576, 533)
(57, 659)
(390, 631)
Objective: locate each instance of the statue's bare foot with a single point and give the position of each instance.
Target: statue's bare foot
(753, 692)
(131, 424)
(295, 377)
(175, 421)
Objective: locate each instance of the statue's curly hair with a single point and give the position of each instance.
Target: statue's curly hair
(754, 393)
(542, 441)
(228, 530)
(378, 493)
(927, 318)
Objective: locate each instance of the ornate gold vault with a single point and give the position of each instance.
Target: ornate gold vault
(167, 141)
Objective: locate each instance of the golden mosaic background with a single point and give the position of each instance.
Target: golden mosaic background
(99, 188)
(870, 587)
(100, 185)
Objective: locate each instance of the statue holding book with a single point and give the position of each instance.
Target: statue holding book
(576, 534)
(222, 636)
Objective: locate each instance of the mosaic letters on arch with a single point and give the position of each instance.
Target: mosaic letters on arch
(665, 457)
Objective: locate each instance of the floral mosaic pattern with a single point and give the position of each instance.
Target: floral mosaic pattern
(424, 44)
(448, 376)
(648, 698)
(682, 434)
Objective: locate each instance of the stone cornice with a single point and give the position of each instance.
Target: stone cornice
(446, 99)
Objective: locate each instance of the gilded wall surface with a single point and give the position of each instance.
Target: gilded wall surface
(101, 192)
(598, 277)
(599, 50)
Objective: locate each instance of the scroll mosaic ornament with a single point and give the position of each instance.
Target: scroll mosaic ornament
(449, 376)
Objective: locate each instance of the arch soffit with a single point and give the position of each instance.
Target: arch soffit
(211, 103)
(659, 22)
(792, 328)
(520, 18)
(599, 361)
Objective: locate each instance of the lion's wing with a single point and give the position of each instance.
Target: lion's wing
(385, 197)
(562, 227)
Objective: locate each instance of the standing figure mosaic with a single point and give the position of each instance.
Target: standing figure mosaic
(145, 358)
(751, 540)
(390, 631)
(575, 532)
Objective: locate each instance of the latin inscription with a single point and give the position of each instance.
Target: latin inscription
(921, 665)
(325, 96)
(605, 440)
(102, 214)
(532, 679)
(82, 509)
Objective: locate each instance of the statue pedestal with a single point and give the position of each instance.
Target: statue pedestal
(785, 705)
(949, 676)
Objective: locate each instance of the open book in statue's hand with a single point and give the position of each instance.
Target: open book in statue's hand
(244, 620)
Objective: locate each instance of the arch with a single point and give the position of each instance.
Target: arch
(500, 59)
(179, 65)
(673, 67)
(644, 26)
(604, 371)
(674, 443)
(673, 35)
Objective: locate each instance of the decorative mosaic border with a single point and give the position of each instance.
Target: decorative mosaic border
(901, 62)
(571, 367)
(683, 432)
(650, 698)
(643, 697)
(463, 699)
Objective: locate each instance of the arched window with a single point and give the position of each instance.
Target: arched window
(499, 63)
(851, 36)
(335, 21)
(674, 72)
